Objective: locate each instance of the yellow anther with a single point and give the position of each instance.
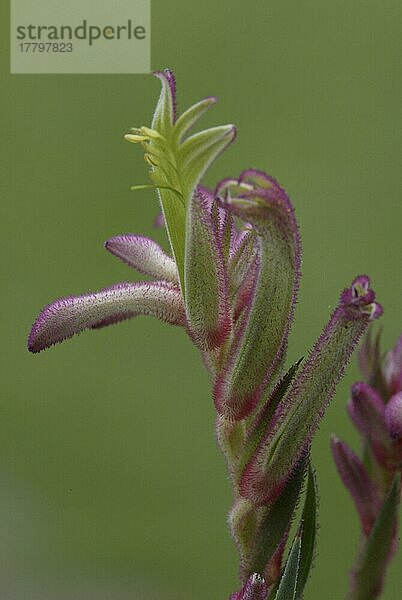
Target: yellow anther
(135, 139)
(151, 133)
(359, 290)
(245, 186)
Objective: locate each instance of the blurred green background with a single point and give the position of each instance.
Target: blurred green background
(111, 485)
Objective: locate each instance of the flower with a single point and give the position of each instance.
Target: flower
(376, 412)
(177, 163)
(375, 408)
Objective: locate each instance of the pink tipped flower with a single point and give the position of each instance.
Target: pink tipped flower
(63, 318)
(260, 337)
(297, 417)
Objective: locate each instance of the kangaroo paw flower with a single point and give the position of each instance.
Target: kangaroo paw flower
(298, 415)
(259, 344)
(63, 318)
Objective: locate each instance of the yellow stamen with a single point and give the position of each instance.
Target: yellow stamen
(135, 139)
(150, 160)
(151, 133)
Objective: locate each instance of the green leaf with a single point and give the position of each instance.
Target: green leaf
(368, 575)
(288, 585)
(276, 521)
(308, 531)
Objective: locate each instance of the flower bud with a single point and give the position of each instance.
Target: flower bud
(393, 416)
(356, 479)
(366, 409)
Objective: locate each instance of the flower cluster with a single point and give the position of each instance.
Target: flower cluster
(375, 408)
(231, 281)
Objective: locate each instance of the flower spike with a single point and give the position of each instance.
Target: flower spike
(63, 318)
(376, 411)
(231, 280)
(298, 415)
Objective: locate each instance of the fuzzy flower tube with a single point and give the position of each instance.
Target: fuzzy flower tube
(231, 281)
(375, 408)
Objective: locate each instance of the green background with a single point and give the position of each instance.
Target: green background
(111, 485)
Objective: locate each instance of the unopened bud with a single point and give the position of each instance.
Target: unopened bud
(393, 416)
